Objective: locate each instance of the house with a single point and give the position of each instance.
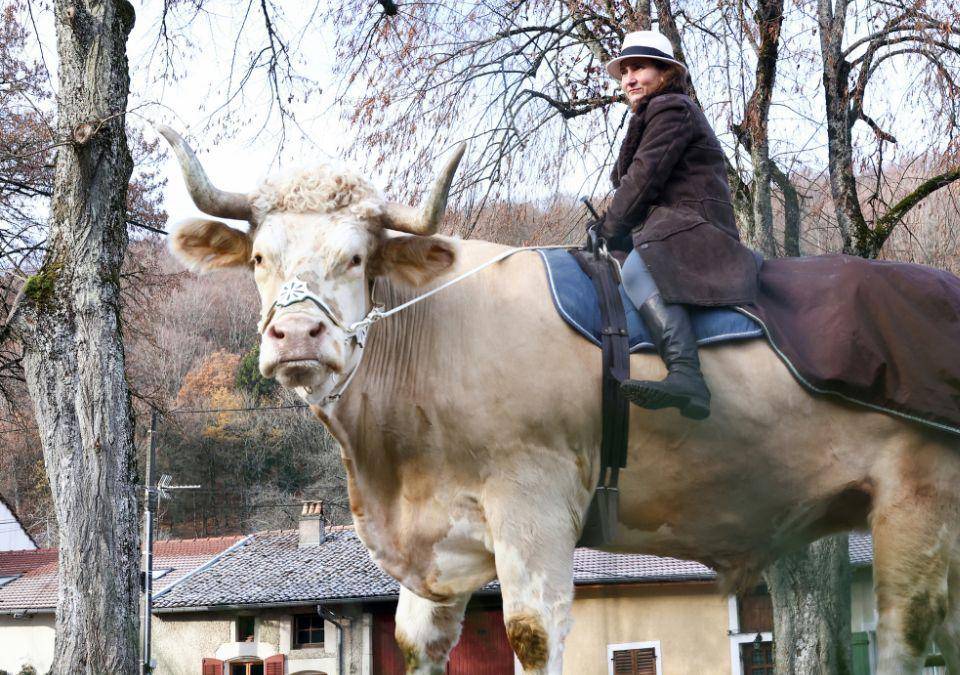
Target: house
(13, 536)
(311, 601)
(29, 596)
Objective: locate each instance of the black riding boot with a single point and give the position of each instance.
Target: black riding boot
(683, 387)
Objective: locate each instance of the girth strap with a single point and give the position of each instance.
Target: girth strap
(602, 516)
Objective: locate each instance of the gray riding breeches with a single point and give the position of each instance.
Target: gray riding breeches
(637, 282)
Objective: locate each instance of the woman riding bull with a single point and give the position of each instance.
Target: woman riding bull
(672, 196)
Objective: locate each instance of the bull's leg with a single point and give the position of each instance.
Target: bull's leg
(534, 559)
(948, 637)
(427, 631)
(913, 539)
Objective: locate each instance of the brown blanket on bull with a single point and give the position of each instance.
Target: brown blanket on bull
(885, 334)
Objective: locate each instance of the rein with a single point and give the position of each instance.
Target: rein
(296, 290)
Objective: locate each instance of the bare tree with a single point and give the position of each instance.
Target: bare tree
(67, 319)
(907, 33)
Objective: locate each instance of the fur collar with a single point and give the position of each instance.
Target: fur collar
(632, 140)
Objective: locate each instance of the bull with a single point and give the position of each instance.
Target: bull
(470, 426)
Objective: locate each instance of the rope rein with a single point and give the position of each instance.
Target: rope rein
(360, 328)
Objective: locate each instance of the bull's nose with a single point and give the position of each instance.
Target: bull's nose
(296, 336)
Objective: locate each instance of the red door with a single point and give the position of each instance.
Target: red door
(482, 650)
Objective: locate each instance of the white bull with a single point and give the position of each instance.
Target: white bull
(470, 429)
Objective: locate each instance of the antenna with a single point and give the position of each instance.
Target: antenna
(153, 494)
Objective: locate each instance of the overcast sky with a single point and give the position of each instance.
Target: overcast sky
(238, 137)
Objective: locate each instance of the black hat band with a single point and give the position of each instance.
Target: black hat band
(645, 51)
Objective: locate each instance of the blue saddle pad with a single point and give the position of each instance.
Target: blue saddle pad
(576, 300)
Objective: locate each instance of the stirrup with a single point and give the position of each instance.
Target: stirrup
(600, 523)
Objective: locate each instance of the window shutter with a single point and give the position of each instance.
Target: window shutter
(635, 662)
(861, 653)
(646, 661)
(212, 667)
(274, 665)
(624, 663)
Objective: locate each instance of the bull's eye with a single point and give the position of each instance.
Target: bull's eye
(355, 260)
(257, 258)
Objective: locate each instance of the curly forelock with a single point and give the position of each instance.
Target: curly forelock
(321, 189)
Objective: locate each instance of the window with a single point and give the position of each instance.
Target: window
(757, 658)
(635, 662)
(249, 668)
(307, 631)
(7, 580)
(156, 574)
(246, 626)
(635, 658)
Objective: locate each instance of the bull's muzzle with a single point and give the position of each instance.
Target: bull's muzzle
(295, 348)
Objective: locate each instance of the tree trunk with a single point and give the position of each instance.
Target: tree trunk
(836, 89)
(73, 353)
(762, 206)
(791, 212)
(811, 603)
(752, 132)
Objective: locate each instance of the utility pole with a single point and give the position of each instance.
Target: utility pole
(150, 506)
(152, 503)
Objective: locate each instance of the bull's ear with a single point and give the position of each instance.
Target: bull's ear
(414, 260)
(202, 244)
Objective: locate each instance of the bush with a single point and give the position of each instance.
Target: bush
(249, 378)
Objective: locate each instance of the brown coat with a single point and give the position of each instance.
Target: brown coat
(672, 194)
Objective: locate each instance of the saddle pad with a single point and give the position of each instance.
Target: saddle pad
(576, 300)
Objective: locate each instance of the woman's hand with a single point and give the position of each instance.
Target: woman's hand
(594, 226)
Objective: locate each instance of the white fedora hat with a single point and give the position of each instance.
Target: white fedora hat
(648, 44)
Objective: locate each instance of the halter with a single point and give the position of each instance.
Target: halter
(296, 290)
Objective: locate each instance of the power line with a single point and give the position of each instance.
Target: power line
(178, 411)
(188, 411)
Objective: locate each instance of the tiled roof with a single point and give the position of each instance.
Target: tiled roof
(270, 568)
(18, 562)
(207, 546)
(35, 590)
(591, 566)
(36, 587)
(861, 549)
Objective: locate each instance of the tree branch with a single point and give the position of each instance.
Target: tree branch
(887, 222)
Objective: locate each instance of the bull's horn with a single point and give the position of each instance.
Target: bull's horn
(426, 220)
(207, 198)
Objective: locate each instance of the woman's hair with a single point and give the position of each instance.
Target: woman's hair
(675, 80)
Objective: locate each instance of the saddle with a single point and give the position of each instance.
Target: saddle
(588, 293)
(577, 301)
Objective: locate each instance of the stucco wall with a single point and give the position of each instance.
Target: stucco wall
(26, 642)
(690, 621)
(182, 641)
(12, 535)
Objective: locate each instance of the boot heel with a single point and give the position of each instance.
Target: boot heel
(696, 410)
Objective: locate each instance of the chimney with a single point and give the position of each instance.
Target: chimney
(311, 524)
